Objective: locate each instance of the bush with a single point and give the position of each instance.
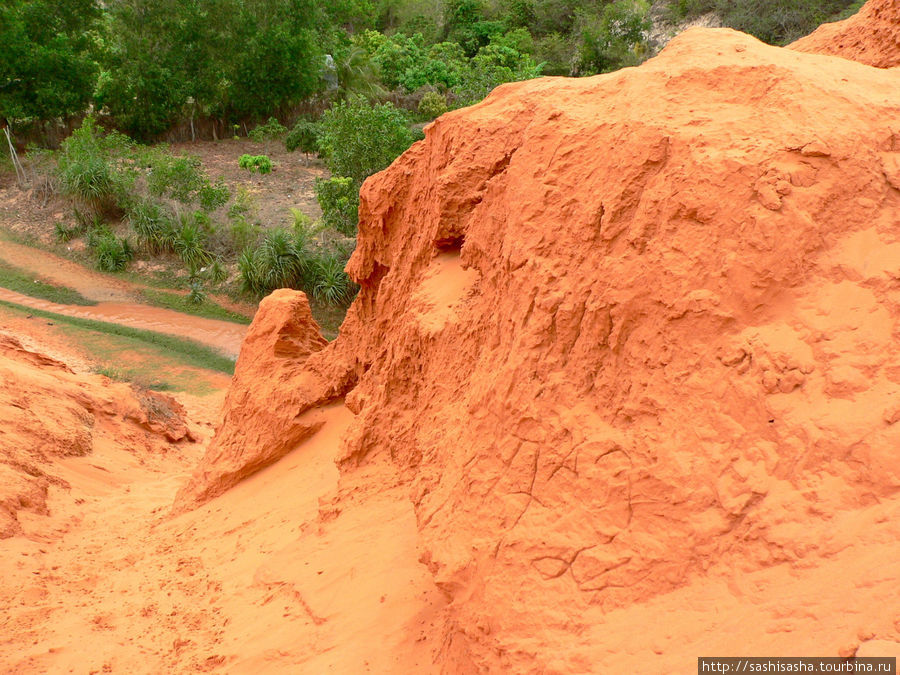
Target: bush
(190, 244)
(359, 139)
(244, 234)
(183, 179)
(255, 163)
(89, 169)
(152, 225)
(433, 105)
(278, 262)
(328, 282)
(288, 260)
(213, 195)
(270, 131)
(304, 137)
(339, 200)
(113, 254)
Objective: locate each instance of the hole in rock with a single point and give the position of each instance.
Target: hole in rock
(449, 244)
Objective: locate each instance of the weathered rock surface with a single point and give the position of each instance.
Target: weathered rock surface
(263, 416)
(48, 412)
(871, 36)
(630, 341)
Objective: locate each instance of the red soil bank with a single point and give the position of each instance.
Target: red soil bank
(630, 342)
(871, 36)
(49, 413)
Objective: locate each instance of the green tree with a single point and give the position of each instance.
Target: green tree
(359, 139)
(47, 57)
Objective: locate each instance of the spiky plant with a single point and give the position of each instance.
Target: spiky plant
(329, 283)
(190, 244)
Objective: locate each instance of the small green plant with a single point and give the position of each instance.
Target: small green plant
(243, 203)
(196, 295)
(433, 104)
(113, 253)
(153, 226)
(255, 163)
(302, 224)
(64, 233)
(190, 244)
(272, 130)
(303, 137)
(244, 234)
(339, 199)
(213, 195)
(329, 283)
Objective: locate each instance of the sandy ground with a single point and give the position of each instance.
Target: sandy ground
(255, 581)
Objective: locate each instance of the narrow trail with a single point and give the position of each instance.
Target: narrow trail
(57, 270)
(116, 301)
(224, 336)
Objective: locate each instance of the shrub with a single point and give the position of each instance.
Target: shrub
(89, 170)
(339, 200)
(242, 205)
(250, 272)
(196, 295)
(304, 137)
(283, 262)
(189, 244)
(244, 234)
(328, 282)
(276, 263)
(359, 139)
(183, 179)
(213, 195)
(433, 104)
(270, 131)
(152, 225)
(255, 163)
(113, 254)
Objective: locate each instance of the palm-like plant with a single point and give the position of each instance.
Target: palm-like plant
(283, 262)
(358, 74)
(189, 244)
(330, 284)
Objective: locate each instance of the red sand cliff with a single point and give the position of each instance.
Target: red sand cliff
(49, 414)
(871, 36)
(630, 345)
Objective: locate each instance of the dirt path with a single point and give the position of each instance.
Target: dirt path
(224, 336)
(61, 272)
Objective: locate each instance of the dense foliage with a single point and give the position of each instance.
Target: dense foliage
(48, 55)
(153, 64)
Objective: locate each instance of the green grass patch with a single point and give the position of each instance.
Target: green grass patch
(181, 303)
(186, 351)
(20, 281)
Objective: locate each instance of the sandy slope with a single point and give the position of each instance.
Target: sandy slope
(256, 581)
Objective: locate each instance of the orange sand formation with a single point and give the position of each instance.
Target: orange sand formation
(49, 414)
(651, 410)
(871, 36)
(621, 388)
